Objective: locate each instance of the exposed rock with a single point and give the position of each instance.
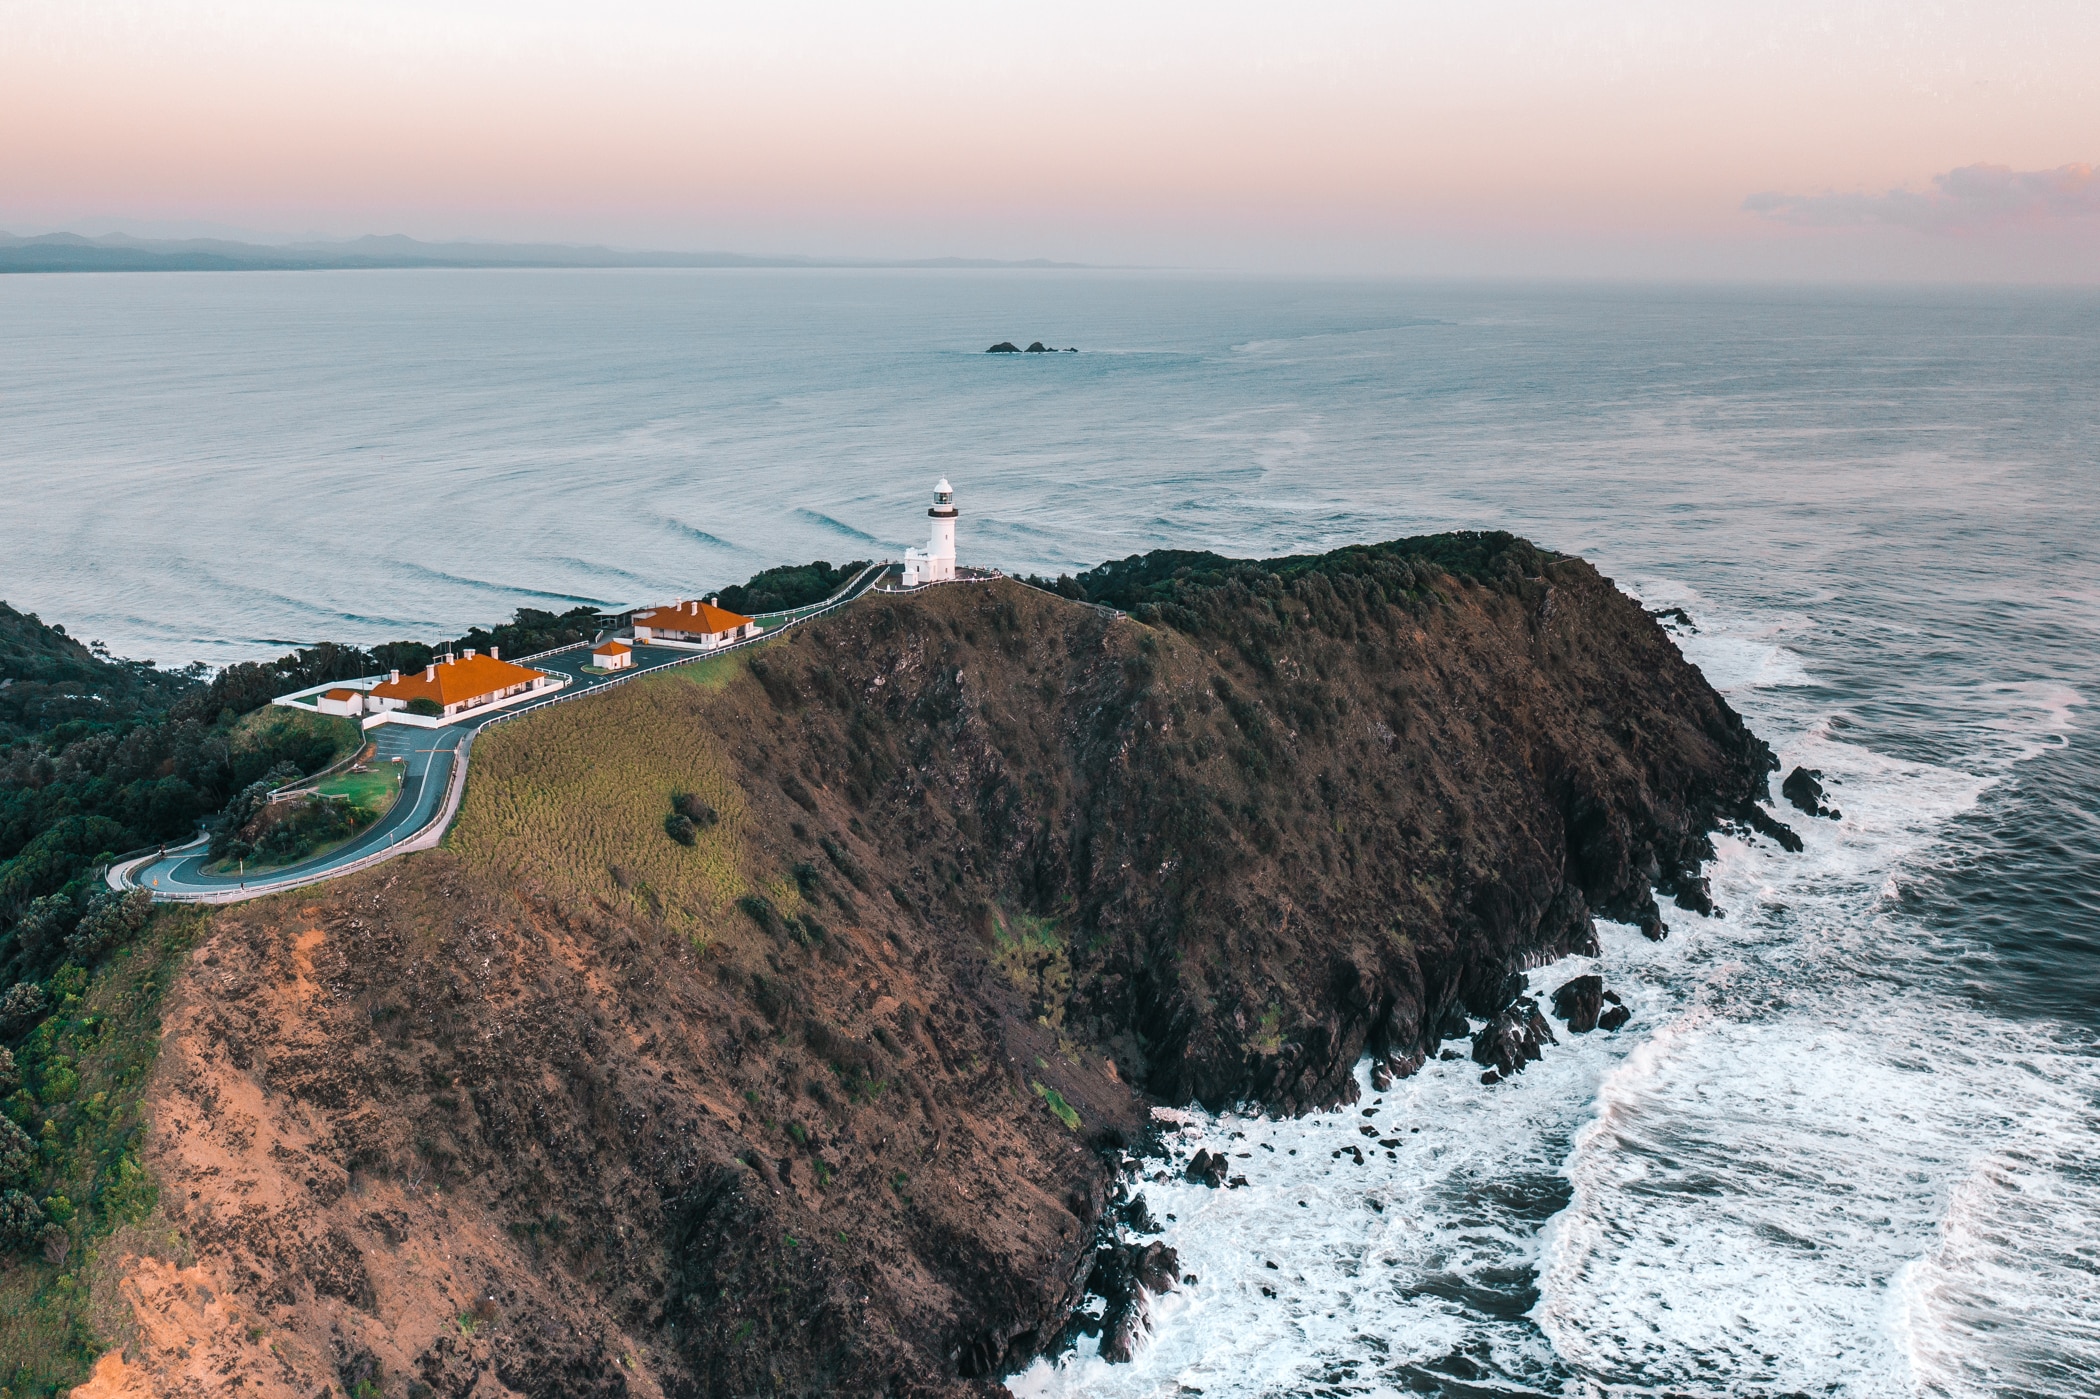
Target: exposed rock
(1513, 1039)
(1579, 1002)
(1804, 788)
(1613, 1017)
(1765, 823)
(1037, 347)
(1004, 347)
(1157, 1266)
(1123, 1274)
(1206, 1169)
(1138, 1215)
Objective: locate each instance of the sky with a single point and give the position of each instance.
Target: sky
(1607, 138)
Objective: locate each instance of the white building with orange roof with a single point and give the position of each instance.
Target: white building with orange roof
(613, 655)
(697, 624)
(341, 700)
(458, 685)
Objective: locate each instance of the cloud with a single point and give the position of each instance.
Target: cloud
(1972, 198)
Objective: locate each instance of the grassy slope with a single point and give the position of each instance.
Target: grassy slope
(273, 722)
(89, 1068)
(575, 802)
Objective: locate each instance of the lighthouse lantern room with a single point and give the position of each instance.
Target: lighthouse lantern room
(936, 562)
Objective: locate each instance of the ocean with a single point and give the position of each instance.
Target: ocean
(1850, 1142)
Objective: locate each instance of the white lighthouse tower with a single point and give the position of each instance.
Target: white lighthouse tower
(936, 562)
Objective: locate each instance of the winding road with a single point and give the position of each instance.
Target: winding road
(435, 762)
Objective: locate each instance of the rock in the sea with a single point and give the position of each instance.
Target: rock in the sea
(1613, 1017)
(1138, 1215)
(1804, 788)
(1004, 347)
(1037, 347)
(1381, 1077)
(1580, 1002)
(1513, 1039)
(1765, 823)
(1157, 1267)
(1122, 1276)
(1207, 1169)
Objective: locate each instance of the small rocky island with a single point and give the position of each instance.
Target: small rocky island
(1035, 347)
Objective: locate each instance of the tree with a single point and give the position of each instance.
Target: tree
(17, 1153)
(21, 1222)
(111, 920)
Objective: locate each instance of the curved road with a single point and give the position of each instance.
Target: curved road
(430, 757)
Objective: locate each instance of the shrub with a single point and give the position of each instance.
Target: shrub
(426, 708)
(22, 1006)
(17, 1153)
(21, 1222)
(9, 1075)
(679, 827)
(759, 910)
(1055, 1101)
(248, 803)
(111, 920)
(693, 809)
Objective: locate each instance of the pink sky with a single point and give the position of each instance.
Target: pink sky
(1509, 136)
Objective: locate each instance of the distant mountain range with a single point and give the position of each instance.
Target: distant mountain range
(117, 252)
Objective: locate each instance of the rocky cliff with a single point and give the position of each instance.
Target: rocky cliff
(824, 1089)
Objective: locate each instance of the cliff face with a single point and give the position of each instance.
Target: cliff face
(824, 1100)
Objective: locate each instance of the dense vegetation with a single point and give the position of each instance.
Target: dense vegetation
(1208, 594)
(71, 1092)
(790, 585)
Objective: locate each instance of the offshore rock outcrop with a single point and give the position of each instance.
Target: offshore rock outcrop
(831, 1099)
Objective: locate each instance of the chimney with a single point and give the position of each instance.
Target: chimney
(469, 654)
(450, 658)
(393, 677)
(430, 672)
(492, 654)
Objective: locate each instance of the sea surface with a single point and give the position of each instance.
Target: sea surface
(1849, 1144)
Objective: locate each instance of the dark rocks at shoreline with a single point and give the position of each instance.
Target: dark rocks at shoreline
(1122, 1277)
(1035, 347)
(1579, 1003)
(1395, 1066)
(1138, 1215)
(1205, 1168)
(1513, 1039)
(1804, 788)
(1585, 1005)
(1674, 614)
(1765, 823)
(1004, 347)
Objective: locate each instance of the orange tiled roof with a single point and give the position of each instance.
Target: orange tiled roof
(693, 618)
(340, 695)
(456, 682)
(613, 648)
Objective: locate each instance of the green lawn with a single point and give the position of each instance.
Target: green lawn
(374, 790)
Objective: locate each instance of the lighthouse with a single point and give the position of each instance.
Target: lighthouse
(936, 562)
